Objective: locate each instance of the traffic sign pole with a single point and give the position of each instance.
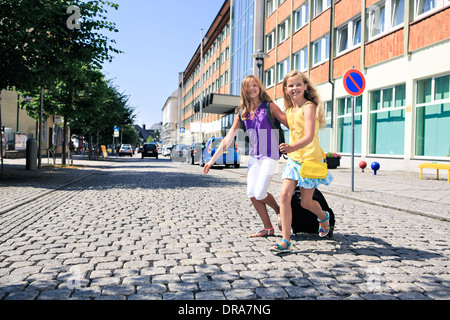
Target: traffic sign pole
(353, 142)
(354, 84)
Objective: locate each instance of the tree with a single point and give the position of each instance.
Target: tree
(39, 48)
(99, 107)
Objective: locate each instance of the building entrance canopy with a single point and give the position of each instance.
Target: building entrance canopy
(219, 103)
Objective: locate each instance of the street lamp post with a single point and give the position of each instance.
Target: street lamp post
(259, 56)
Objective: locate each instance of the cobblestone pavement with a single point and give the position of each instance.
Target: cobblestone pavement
(151, 229)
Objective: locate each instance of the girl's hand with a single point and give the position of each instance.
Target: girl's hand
(286, 148)
(207, 166)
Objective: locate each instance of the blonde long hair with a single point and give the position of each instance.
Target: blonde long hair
(310, 94)
(246, 105)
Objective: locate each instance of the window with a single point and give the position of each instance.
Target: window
(342, 39)
(344, 124)
(318, 6)
(321, 50)
(384, 16)
(300, 60)
(423, 7)
(387, 121)
(348, 36)
(325, 134)
(282, 69)
(269, 77)
(398, 12)
(270, 41)
(376, 19)
(433, 117)
(283, 30)
(271, 6)
(301, 16)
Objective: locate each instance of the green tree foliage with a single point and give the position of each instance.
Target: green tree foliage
(37, 48)
(41, 49)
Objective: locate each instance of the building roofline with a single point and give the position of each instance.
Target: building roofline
(211, 35)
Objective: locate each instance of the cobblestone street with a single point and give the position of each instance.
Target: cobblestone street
(151, 229)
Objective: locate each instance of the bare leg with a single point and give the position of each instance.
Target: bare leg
(287, 190)
(313, 206)
(261, 208)
(271, 202)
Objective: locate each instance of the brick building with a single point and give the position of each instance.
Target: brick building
(401, 46)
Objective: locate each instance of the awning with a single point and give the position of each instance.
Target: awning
(218, 103)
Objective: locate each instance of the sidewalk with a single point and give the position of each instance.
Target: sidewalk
(392, 189)
(401, 190)
(32, 184)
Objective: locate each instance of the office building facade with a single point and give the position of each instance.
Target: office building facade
(403, 116)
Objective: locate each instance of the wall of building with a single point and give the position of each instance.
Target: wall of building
(405, 59)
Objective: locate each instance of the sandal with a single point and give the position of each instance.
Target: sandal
(267, 234)
(324, 232)
(279, 248)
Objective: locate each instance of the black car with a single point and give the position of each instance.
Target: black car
(196, 150)
(149, 150)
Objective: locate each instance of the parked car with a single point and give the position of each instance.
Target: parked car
(196, 150)
(179, 153)
(229, 157)
(149, 150)
(167, 151)
(125, 150)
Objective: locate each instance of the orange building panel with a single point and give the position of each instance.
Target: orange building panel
(345, 10)
(387, 47)
(430, 29)
(346, 61)
(319, 74)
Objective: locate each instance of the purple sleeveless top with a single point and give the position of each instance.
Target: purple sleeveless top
(263, 139)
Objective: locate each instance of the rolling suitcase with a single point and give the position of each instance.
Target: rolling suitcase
(304, 220)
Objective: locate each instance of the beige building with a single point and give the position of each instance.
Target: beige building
(19, 127)
(171, 116)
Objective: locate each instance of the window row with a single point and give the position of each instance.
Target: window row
(318, 6)
(320, 54)
(382, 17)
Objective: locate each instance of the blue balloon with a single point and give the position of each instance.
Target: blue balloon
(375, 166)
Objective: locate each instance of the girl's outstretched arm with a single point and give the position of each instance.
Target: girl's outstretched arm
(229, 138)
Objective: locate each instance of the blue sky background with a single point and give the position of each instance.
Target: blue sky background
(159, 39)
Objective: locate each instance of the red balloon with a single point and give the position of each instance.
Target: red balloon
(362, 165)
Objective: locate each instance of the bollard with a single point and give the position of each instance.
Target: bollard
(375, 167)
(31, 154)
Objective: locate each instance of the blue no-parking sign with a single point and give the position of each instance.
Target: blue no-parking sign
(354, 82)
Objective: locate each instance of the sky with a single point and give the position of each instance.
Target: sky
(158, 39)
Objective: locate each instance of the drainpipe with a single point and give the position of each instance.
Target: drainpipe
(330, 61)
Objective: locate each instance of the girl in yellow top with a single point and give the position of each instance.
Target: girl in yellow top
(305, 115)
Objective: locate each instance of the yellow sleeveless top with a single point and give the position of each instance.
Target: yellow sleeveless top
(296, 122)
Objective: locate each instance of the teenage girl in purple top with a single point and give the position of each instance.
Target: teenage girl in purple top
(264, 148)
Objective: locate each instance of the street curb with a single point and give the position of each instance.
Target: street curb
(375, 203)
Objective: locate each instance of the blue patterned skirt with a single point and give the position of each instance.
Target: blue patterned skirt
(292, 171)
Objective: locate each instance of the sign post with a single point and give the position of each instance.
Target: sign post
(354, 84)
(115, 135)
